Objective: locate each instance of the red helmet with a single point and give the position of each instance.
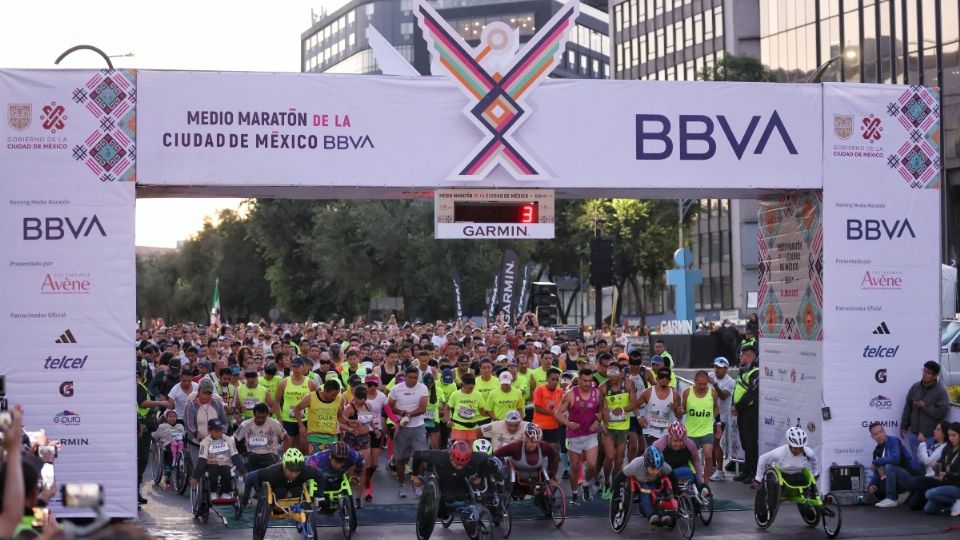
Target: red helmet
(460, 453)
(677, 431)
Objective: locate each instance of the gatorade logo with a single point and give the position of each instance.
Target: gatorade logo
(880, 376)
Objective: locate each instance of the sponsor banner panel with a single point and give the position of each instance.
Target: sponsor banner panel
(790, 241)
(359, 130)
(791, 377)
(63, 127)
(67, 226)
(881, 302)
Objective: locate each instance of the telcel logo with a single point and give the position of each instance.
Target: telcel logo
(699, 128)
(64, 362)
(880, 351)
(52, 228)
(876, 229)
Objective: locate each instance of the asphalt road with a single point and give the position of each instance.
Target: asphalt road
(167, 516)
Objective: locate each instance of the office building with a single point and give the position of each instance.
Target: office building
(337, 42)
(676, 40)
(876, 41)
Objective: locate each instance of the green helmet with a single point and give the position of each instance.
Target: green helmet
(293, 459)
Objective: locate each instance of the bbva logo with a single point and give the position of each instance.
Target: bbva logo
(52, 228)
(875, 229)
(700, 129)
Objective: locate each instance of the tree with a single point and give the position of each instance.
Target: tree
(738, 67)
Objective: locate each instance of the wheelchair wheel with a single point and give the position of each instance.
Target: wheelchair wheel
(261, 515)
(427, 509)
(767, 501)
(685, 521)
(504, 521)
(620, 503)
(831, 515)
(156, 453)
(200, 495)
(184, 470)
(557, 503)
(480, 525)
(348, 515)
(809, 515)
(705, 511)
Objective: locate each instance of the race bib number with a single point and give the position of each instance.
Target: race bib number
(249, 403)
(618, 417)
(292, 412)
(430, 414)
(219, 447)
(257, 442)
(176, 436)
(465, 413)
(365, 418)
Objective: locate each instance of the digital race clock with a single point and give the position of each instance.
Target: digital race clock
(494, 213)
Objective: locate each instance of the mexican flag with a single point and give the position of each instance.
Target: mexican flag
(215, 306)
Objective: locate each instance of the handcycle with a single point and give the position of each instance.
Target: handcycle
(478, 520)
(298, 510)
(337, 499)
(814, 509)
(679, 508)
(547, 497)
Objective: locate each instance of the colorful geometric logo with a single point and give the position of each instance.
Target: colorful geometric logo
(496, 80)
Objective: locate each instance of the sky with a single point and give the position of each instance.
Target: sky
(239, 35)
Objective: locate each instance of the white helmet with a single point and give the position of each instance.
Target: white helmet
(482, 446)
(796, 437)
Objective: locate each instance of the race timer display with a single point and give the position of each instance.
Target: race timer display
(494, 213)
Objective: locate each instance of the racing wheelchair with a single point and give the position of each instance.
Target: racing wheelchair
(814, 509)
(679, 508)
(548, 498)
(483, 510)
(269, 507)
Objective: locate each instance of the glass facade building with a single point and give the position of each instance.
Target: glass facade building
(675, 40)
(876, 41)
(337, 42)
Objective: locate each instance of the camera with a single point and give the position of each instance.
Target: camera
(82, 495)
(47, 453)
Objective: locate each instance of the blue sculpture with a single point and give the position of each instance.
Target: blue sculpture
(683, 279)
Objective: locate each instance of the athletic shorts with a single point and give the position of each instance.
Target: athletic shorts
(705, 439)
(432, 429)
(619, 436)
(376, 442)
(579, 445)
(293, 428)
(408, 440)
(554, 436)
(318, 442)
(635, 425)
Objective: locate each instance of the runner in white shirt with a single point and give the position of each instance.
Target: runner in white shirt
(724, 385)
(180, 393)
(503, 432)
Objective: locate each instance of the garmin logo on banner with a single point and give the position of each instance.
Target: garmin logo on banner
(699, 129)
(81, 441)
(54, 228)
(876, 229)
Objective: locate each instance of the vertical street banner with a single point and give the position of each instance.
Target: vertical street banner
(491, 308)
(523, 297)
(457, 292)
(67, 233)
(881, 202)
(507, 297)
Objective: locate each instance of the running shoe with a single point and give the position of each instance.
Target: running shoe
(666, 521)
(575, 499)
(654, 521)
(717, 476)
(607, 494)
(587, 491)
(955, 509)
(401, 492)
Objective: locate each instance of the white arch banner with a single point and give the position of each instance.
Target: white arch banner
(74, 142)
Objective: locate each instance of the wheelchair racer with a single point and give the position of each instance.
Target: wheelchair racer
(217, 452)
(797, 462)
(263, 437)
(286, 478)
(335, 462)
(533, 460)
(453, 469)
(679, 451)
(649, 469)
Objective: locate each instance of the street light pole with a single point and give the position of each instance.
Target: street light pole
(87, 48)
(598, 290)
(817, 75)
